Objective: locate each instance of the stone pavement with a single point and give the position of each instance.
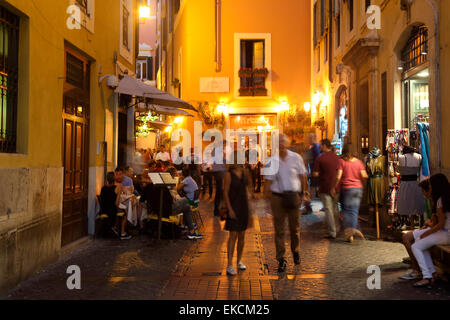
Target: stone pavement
(144, 269)
(202, 273)
(329, 269)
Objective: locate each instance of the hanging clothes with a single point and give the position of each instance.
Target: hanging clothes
(376, 172)
(410, 197)
(423, 129)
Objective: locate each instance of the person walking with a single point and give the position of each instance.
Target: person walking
(207, 180)
(326, 168)
(283, 190)
(236, 182)
(351, 172)
(218, 171)
(435, 231)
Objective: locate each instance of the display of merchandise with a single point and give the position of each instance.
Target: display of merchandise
(395, 141)
(417, 137)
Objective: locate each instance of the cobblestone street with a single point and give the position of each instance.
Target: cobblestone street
(184, 270)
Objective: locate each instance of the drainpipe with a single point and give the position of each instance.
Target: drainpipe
(218, 29)
(437, 80)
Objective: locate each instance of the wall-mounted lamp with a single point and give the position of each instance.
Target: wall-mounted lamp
(222, 108)
(316, 99)
(400, 65)
(284, 106)
(178, 120)
(112, 81)
(307, 107)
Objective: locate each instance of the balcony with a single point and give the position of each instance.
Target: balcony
(253, 82)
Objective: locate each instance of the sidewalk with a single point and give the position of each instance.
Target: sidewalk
(201, 273)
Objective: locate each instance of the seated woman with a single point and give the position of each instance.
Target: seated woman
(172, 205)
(188, 186)
(435, 231)
(110, 204)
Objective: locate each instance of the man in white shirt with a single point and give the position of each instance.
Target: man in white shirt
(162, 155)
(291, 178)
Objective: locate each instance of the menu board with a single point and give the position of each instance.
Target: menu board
(155, 177)
(168, 179)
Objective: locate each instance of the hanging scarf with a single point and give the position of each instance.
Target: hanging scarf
(424, 150)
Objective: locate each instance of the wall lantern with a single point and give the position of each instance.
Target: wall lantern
(144, 10)
(316, 99)
(178, 120)
(307, 107)
(284, 106)
(222, 108)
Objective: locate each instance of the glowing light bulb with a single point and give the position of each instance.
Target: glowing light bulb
(307, 106)
(144, 12)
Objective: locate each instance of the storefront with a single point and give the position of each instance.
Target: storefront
(415, 78)
(254, 123)
(341, 120)
(416, 98)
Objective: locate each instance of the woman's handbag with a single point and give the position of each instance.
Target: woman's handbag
(223, 210)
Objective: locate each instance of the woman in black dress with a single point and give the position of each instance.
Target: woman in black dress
(236, 182)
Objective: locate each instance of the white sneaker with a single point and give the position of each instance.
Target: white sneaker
(241, 266)
(412, 275)
(231, 271)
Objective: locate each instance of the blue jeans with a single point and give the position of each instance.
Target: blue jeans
(351, 201)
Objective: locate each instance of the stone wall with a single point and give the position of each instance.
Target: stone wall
(30, 221)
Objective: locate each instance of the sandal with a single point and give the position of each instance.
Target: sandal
(424, 283)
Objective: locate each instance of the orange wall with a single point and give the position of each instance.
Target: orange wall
(289, 26)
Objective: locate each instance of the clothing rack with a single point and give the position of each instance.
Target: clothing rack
(395, 141)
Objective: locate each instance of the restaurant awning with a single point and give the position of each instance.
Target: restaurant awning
(159, 125)
(162, 110)
(134, 87)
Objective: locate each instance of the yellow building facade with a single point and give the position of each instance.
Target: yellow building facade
(70, 55)
(382, 78)
(243, 64)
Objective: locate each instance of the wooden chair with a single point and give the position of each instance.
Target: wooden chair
(196, 215)
(105, 222)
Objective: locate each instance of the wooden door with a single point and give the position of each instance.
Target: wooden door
(75, 148)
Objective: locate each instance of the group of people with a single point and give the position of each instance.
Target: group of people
(339, 180)
(124, 191)
(434, 232)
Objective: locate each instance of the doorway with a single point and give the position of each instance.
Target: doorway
(75, 151)
(364, 123)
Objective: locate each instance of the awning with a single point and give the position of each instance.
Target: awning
(159, 125)
(134, 87)
(162, 110)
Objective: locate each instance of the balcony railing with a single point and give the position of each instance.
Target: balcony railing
(253, 82)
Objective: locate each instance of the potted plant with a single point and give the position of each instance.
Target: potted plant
(245, 91)
(260, 91)
(260, 72)
(245, 72)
